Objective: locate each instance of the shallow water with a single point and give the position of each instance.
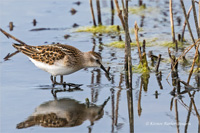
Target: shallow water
(25, 89)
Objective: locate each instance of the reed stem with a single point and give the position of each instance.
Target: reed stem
(158, 62)
(99, 12)
(188, 24)
(195, 18)
(119, 13)
(128, 48)
(92, 11)
(112, 12)
(137, 40)
(172, 21)
(185, 23)
(10, 36)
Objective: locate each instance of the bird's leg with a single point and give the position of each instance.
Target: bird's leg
(64, 84)
(61, 82)
(55, 79)
(51, 77)
(54, 93)
(61, 79)
(52, 80)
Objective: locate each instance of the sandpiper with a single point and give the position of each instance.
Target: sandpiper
(60, 59)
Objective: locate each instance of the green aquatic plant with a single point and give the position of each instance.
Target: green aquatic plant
(149, 43)
(168, 44)
(142, 10)
(121, 44)
(196, 70)
(140, 68)
(197, 60)
(137, 10)
(132, 30)
(145, 80)
(143, 66)
(171, 44)
(99, 29)
(108, 29)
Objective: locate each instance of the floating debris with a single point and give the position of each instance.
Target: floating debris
(11, 26)
(75, 25)
(77, 3)
(66, 36)
(40, 29)
(34, 22)
(73, 11)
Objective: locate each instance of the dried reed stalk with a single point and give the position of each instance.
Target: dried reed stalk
(112, 12)
(14, 38)
(199, 15)
(177, 116)
(10, 36)
(8, 56)
(183, 54)
(137, 40)
(98, 12)
(188, 24)
(158, 62)
(119, 13)
(171, 20)
(92, 11)
(127, 47)
(195, 17)
(139, 99)
(185, 23)
(140, 2)
(192, 67)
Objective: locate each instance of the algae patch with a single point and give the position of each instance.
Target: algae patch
(142, 10)
(149, 43)
(171, 44)
(121, 44)
(140, 69)
(99, 29)
(196, 70)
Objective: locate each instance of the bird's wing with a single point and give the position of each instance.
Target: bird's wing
(68, 50)
(46, 53)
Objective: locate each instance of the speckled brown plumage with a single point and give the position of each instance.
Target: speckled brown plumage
(50, 53)
(45, 120)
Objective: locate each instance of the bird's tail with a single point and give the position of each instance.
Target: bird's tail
(25, 49)
(18, 46)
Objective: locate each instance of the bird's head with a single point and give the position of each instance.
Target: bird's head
(94, 59)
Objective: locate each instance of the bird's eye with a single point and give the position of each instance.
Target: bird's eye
(97, 60)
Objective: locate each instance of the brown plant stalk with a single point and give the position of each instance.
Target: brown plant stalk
(171, 20)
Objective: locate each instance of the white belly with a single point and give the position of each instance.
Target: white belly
(56, 69)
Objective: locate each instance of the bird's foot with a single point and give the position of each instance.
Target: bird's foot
(71, 87)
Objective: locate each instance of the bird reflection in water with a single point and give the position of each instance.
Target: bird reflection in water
(64, 112)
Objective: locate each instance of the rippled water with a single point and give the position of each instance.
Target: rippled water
(26, 90)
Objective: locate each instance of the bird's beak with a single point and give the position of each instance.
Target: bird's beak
(102, 67)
